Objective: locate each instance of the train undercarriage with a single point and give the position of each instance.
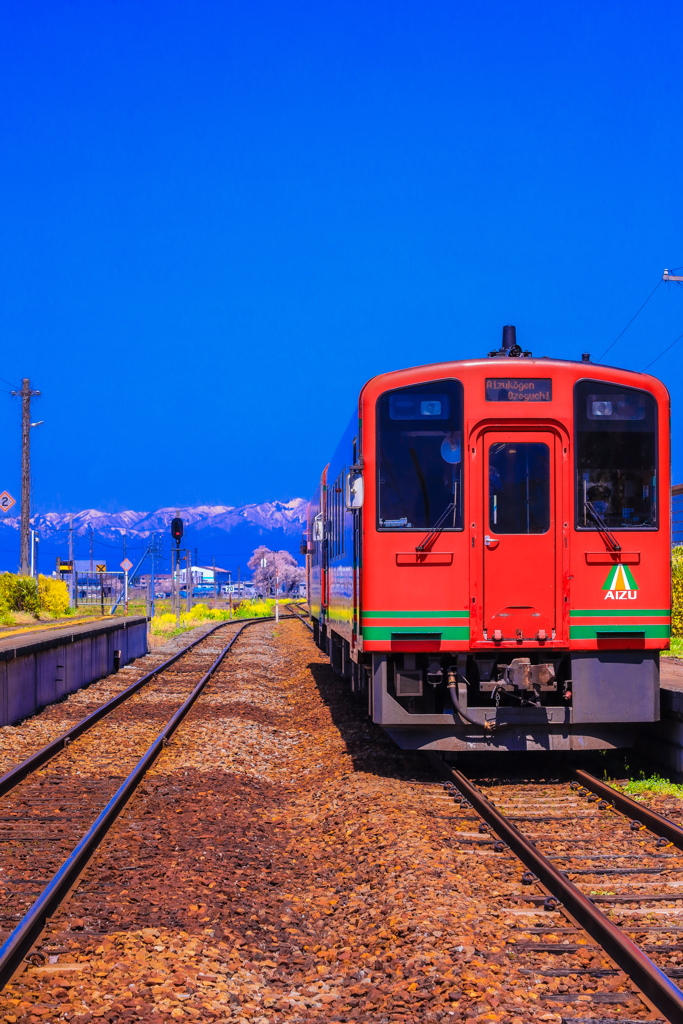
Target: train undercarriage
(504, 699)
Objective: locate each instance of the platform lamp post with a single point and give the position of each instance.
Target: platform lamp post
(264, 565)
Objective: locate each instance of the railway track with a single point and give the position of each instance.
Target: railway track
(610, 867)
(59, 803)
(300, 615)
(607, 859)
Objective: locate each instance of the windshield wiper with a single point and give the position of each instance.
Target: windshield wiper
(436, 529)
(601, 524)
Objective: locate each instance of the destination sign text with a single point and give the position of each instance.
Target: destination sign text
(519, 389)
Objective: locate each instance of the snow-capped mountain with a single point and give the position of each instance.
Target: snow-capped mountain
(269, 515)
(227, 533)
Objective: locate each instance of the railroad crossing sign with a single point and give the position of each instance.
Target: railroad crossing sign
(126, 565)
(6, 501)
(102, 566)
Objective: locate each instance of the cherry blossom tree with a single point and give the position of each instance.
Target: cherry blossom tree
(290, 575)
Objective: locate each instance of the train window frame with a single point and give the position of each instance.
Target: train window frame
(593, 527)
(457, 403)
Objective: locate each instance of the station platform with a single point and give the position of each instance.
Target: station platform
(671, 673)
(21, 632)
(40, 665)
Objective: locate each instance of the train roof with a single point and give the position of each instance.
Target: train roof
(516, 364)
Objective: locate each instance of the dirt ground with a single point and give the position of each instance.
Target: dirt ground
(284, 861)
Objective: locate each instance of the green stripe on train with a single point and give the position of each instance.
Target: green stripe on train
(416, 633)
(628, 630)
(416, 615)
(613, 613)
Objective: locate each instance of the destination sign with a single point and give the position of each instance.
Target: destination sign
(519, 389)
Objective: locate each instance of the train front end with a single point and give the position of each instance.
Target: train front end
(504, 582)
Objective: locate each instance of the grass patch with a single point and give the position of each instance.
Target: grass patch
(164, 624)
(675, 648)
(655, 785)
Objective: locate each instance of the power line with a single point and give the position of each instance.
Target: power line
(662, 353)
(599, 360)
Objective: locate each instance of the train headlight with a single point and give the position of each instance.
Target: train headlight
(432, 408)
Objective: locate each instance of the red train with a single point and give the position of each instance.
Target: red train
(488, 552)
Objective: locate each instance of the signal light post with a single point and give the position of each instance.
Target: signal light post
(177, 536)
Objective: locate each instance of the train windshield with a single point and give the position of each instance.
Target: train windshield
(419, 457)
(616, 456)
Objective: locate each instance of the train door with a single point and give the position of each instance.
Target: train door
(522, 534)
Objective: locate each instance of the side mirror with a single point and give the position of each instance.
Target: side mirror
(354, 489)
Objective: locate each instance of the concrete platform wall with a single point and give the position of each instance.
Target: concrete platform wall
(37, 672)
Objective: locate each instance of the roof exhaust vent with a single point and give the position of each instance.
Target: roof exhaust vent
(509, 346)
(509, 338)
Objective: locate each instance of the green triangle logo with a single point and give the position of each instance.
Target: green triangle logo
(620, 577)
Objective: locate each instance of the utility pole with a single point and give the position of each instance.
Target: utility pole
(172, 580)
(92, 563)
(26, 396)
(214, 582)
(238, 583)
(71, 559)
(188, 580)
(277, 607)
(152, 580)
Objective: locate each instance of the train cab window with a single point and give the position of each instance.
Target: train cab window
(519, 487)
(419, 457)
(616, 456)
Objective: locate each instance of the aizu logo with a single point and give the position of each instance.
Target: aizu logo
(620, 584)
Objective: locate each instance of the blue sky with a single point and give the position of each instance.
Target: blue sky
(219, 219)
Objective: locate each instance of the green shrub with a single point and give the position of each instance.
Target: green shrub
(19, 593)
(54, 596)
(677, 591)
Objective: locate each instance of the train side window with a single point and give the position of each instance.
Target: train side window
(519, 487)
(419, 457)
(616, 456)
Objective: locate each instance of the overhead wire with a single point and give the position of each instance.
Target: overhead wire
(662, 353)
(600, 358)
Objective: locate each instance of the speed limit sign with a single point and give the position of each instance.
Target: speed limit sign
(6, 501)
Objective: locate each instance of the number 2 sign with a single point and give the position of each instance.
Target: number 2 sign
(6, 501)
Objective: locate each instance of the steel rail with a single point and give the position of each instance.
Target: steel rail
(19, 943)
(35, 761)
(300, 617)
(657, 823)
(654, 984)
